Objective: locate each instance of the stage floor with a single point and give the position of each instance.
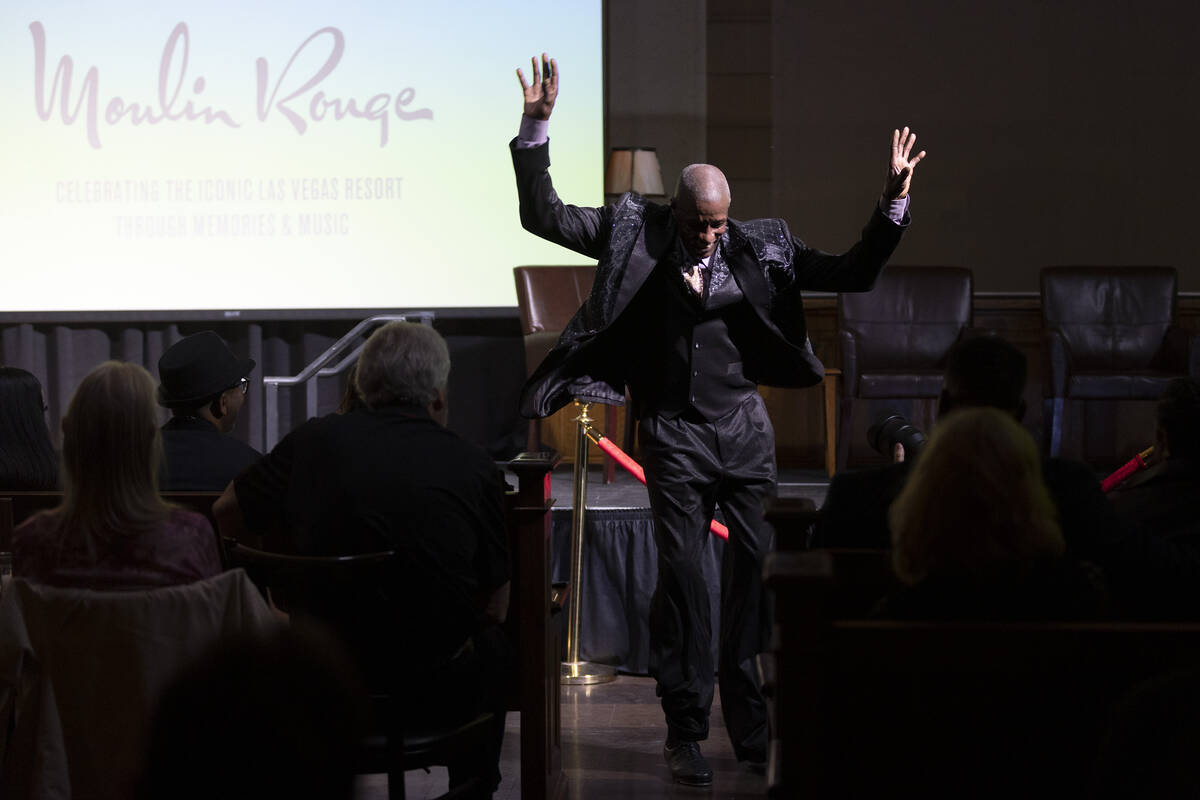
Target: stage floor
(612, 737)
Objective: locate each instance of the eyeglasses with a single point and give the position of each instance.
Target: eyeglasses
(244, 385)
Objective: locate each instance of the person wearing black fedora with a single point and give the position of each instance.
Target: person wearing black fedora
(204, 384)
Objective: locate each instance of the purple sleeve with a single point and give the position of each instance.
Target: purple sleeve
(895, 210)
(195, 545)
(533, 132)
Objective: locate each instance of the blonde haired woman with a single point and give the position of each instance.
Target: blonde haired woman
(976, 535)
(113, 530)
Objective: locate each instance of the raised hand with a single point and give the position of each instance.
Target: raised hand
(543, 91)
(900, 171)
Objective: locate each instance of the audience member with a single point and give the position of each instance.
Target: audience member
(975, 534)
(1155, 567)
(981, 371)
(390, 476)
(27, 458)
(1163, 499)
(113, 530)
(204, 384)
(274, 715)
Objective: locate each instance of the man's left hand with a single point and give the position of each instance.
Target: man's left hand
(900, 171)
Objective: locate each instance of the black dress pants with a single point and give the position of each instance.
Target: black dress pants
(691, 466)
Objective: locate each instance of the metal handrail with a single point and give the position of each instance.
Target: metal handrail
(318, 369)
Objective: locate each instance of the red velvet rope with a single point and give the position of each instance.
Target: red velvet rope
(1127, 469)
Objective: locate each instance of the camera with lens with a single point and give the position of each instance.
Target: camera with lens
(892, 428)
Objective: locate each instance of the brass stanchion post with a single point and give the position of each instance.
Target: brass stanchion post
(575, 671)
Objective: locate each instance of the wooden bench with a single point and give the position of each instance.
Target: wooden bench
(867, 708)
(532, 621)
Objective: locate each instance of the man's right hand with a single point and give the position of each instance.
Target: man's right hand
(541, 94)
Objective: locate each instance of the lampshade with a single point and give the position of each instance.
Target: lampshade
(634, 169)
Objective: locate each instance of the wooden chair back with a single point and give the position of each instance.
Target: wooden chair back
(286, 577)
(354, 596)
(884, 708)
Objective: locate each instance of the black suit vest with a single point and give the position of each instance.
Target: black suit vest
(683, 352)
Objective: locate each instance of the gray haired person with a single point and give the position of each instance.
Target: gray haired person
(389, 475)
(407, 364)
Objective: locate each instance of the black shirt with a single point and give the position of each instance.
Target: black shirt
(682, 351)
(199, 458)
(390, 479)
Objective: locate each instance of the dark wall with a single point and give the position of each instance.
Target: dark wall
(1058, 132)
(655, 80)
(487, 358)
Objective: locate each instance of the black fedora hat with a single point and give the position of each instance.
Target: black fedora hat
(198, 367)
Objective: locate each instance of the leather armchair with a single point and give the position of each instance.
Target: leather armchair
(895, 338)
(548, 297)
(1110, 334)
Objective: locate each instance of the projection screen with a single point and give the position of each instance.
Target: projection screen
(301, 155)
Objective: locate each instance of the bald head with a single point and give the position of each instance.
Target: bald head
(704, 183)
(701, 209)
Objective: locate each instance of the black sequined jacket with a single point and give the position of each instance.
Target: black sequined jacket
(629, 238)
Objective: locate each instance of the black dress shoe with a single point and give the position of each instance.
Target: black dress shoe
(687, 764)
(753, 760)
(754, 767)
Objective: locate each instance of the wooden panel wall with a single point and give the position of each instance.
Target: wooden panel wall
(740, 102)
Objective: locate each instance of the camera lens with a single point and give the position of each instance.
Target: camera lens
(892, 428)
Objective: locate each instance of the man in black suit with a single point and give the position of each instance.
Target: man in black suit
(691, 310)
(204, 384)
(980, 371)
